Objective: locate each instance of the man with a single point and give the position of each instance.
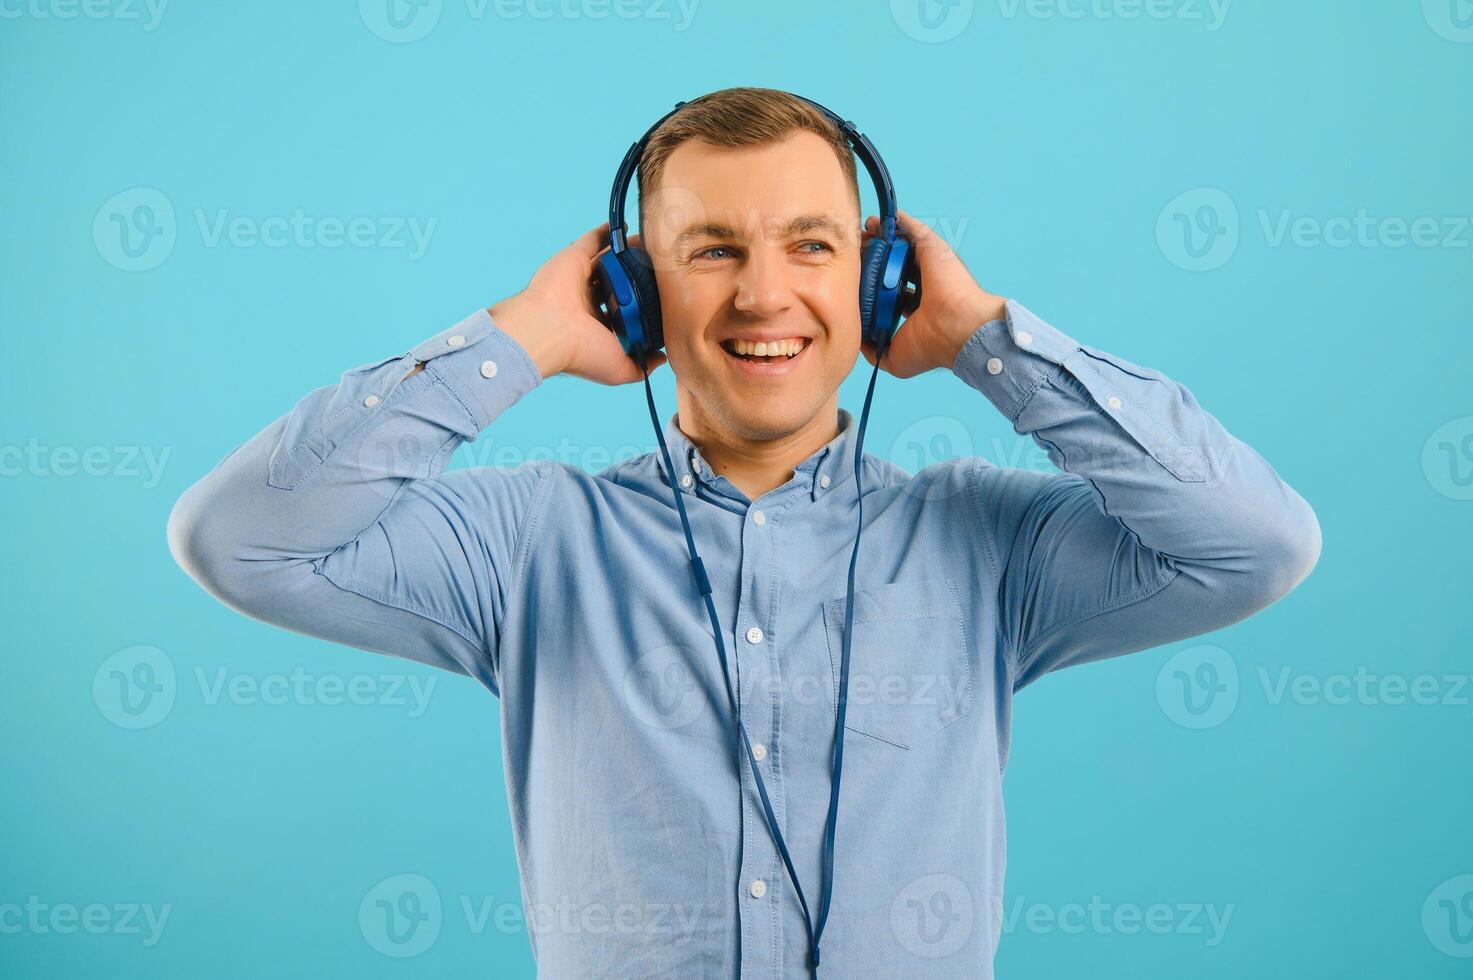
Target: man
(569, 595)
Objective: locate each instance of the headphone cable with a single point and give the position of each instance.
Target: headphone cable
(703, 584)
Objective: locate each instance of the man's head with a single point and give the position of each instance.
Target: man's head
(749, 209)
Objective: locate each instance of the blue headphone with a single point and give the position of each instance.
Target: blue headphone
(889, 288)
(889, 282)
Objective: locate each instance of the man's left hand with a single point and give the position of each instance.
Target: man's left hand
(952, 306)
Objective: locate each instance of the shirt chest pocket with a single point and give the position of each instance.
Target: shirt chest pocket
(909, 673)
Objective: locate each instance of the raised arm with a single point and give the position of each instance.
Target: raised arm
(1162, 526)
(337, 521)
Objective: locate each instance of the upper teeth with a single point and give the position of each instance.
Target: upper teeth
(769, 348)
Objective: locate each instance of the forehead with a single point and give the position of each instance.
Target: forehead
(749, 186)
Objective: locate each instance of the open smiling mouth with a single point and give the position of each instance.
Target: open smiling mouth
(770, 352)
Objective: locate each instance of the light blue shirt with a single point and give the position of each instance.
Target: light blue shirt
(569, 595)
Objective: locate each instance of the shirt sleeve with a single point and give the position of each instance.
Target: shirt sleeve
(336, 521)
(1161, 526)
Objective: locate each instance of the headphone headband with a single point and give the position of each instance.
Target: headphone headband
(858, 142)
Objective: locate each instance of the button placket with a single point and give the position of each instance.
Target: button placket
(761, 868)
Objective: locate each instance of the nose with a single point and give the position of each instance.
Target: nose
(764, 283)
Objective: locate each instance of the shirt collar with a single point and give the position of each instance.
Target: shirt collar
(820, 473)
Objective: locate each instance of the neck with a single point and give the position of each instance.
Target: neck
(755, 466)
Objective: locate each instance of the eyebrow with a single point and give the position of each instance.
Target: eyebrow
(797, 226)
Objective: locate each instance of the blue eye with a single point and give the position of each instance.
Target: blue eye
(823, 246)
(707, 253)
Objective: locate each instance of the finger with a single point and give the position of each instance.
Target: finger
(591, 242)
(593, 299)
(922, 235)
(629, 371)
(916, 231)
(614, 367)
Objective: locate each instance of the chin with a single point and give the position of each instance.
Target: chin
(770, 421)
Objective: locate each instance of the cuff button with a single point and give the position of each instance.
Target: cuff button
(488, 369)
(994, 365)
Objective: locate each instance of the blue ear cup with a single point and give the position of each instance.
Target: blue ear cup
(872, 268)
(642, 274)
(889, 288)
(630, 299)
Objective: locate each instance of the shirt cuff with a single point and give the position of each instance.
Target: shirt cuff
(1009, 358)
(481, 365)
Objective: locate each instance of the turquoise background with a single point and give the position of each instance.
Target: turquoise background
(1052, 151)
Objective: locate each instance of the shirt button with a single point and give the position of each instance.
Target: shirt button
(1113, 402)
(824, 480)
(759, 518)
(488, 369)
(994, 366)
(370, 401)
(759, 888)
(1024, 338)
(754, 635)
(759, 751)
(685, 480)
(456, 341)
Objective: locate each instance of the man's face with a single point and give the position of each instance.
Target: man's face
(757, 245)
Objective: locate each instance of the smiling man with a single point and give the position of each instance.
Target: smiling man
(638, 828)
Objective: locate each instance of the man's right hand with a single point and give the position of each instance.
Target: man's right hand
(558, 322)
